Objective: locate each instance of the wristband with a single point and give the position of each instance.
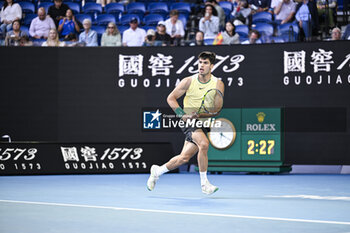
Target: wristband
(179, 112)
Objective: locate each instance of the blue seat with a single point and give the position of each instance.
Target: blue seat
(152, 19)
(92, 8)
(262, 17)
(1, 4)
(125, 19)
(114, 8)
(28, 19)
(278, 39)
(122, 28)
(146, 27)
(265, 29)
(25, 29)
(27, 7)
(242, 30)
(182, 7)
(75, 7)
(100, 30)
(208, 41)
(290, 31)
(227, 7)
(138, 8)
(46, 5)
(81, 17)
(184, 19)
(158, 8)
(104, 19)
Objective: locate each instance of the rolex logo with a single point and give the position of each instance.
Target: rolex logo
(261, 117)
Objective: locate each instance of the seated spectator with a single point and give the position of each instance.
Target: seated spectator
(104, 2)
(259, 5)
(134, 36)
(53, 40)
(111, 37)
(162, 37)
(307, 17)
(41, 25)
(57, 11)
(253, 37)
(13, 37)
(199, 39)
(219, 10)
(284, 10)
(336, 34)
(346, 35)
(242, 13)
(209, 24)
(68, 25)
(175, 28)
(229, 35)
(88, 36)
(24, 41)
(10, 12)
(327, 7)
(150, 39)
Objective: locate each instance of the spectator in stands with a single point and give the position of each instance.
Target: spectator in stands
(88, 36)
(10, 12)
(161, 36)
(41, 25)
(104, 2)
(134, 36)
(175, 28)
(253, 37)
(57, 11)
(209, 24)
(229, 35)
(336, 34)
(13, 37)
(53, 40)
(68, 25)
(259, 5)
(242, 13)
(346, 35)
(284, 10)
(219, 10)
(111, 37)
(307, 17)
(24, 41)
(327, 7)
(199, 39)
(150, 39)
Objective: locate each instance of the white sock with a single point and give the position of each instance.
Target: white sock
(162, 169)
(203, 176)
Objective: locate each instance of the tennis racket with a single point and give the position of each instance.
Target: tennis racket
(212, 102)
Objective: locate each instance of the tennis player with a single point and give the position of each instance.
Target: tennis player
(194, 88)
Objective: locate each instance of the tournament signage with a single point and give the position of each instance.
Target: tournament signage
(81, 158)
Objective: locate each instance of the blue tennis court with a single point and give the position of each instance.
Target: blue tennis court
(122, 203)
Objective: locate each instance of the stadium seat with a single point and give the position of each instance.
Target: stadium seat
(81, 17)
(27, 7)
(262, 17)
(158, 8)
(1, 4)
(265, 29)
(122, 28)
(46, 5)
(125, 19)
(104, 19)
(28, 19)
(183, 18)
(100, 30)
(92, 8)
(152, 19)
(277, 39)
(138, 8)
(114, 8)
(75, 7)
(208, 41)
(227, 7)
(149, 27)
(182, 7)
(289, 31)
(242, 30)
(25, 29)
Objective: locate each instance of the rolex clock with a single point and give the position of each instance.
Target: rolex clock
(222, 135)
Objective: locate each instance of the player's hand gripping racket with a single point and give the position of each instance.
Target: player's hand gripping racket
(212, 103)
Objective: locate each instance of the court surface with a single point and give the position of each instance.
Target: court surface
(122, 203)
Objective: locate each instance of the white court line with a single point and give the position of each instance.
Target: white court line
(314, 197)
(176, 212)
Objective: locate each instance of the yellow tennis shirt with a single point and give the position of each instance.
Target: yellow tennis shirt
(193, 98)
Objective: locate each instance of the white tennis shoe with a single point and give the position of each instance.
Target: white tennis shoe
(151, 182)
(208, 188)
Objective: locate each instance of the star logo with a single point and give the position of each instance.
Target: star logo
(152, 119)
(156, 115)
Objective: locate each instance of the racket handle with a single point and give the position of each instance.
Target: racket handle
(179, 112)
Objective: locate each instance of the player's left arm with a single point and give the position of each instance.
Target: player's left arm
(220, 86)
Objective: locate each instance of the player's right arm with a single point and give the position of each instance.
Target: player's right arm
(178, 91)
